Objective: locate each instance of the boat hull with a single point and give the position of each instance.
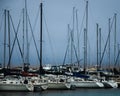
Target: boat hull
(87, 84)
(110, 84)
(40, 87)
(16, 87)
(57, 86)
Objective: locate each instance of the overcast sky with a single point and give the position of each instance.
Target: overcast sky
(57, 15)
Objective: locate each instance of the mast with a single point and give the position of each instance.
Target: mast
(115, 38)
(86, 29)
(97, 44)
(85, 42)
(118, 45)
(4, 38)
(69, 38)
(27, 47)
(41, 29)
(99, 47)
(9, 43)
(78, 38)
(72, 36)
(109, 44)
(85, 38)
(23, 33)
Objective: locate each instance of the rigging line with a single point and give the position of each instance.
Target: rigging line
(78, 41)
(71, 19)
(89, 49)
(1, 21)
(16, 38)
(35, 22)
(106, 43)
(117, 58)
(74, 48)
(67, 46)
(66, 53)
(82, 22)
(15, 32)
(34, 38)
(50, 41)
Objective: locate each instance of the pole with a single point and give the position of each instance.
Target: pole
(109, 43)
(41, 13)
(9, 43)
(115, 38)
(27, 47)
(4, 38)
(97, 44)
(86, 28)
(23, 33)
(85, 54)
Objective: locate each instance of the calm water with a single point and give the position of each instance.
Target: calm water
(78, 92)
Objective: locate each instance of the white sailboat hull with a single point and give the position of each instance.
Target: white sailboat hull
(16, 87)
(40, 87)
(87, 84)
(110, 84)
(59, 86)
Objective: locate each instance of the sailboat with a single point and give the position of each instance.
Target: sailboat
(39, 82)
(80, 79)
(53, 82)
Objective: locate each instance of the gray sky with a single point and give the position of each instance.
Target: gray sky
(57, 15)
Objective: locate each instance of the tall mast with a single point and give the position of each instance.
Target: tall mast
(72, 35)
(115, 38)
(99, 47)
(78, 37)
(69, 38)
(41, 18)
(9, 43)
(27, 47)
(86, 28)
(4, 38)
(85, 42)
(85, 38)
(23, 33)
(109, 43)
(97, 44)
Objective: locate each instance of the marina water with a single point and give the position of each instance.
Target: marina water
(77, 92)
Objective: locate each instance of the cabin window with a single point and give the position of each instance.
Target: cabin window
(45, 81)
(33, 81)
(61, 80)
(79, 80)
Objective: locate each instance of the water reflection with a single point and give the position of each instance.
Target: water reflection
(78, 92)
